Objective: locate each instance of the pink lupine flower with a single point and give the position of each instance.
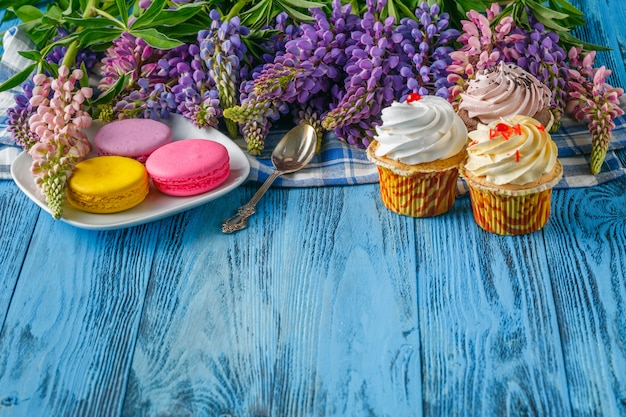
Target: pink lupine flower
(592, 99)
(58, 121)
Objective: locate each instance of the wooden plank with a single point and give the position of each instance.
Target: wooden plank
(490, 338)
(18, 216)
(605, 27)
(588, 275)
(309, 311)
(69, 334)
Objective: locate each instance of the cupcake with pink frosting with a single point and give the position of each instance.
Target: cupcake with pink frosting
(502, 92)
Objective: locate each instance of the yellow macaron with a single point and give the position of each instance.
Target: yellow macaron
(107, 184)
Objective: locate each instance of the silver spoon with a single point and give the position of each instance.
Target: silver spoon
(294, 151)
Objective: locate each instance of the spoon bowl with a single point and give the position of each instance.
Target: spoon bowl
(292, 153)
(295, 150)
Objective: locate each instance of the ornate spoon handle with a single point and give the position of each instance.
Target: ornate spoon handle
(240, 220)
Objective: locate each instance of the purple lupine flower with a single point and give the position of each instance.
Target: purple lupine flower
(18, 116)
(224, 53)
(311, 64)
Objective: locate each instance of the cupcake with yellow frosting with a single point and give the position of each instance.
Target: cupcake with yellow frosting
(417, 150)
(511, 169)
(505, 91)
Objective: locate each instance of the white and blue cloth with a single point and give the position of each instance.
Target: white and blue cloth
(339, 163)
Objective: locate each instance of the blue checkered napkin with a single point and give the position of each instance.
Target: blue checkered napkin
(336, 164)
(341, 164)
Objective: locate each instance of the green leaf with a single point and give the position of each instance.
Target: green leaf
(305, 4)
(54, 12)
(174, 17)
(123, 10)
(146, 18)
(566, 6)
(32, 55)
(84, 81)
(295, 14)
(96, 36)
(15, 4)
(155, 38)
(404, 11)
(28, 13)
(112, 92)
(575, 16)
(74, 6)
(546, 12)
(391, 10)
(94, 22)
(39, 34)
(51, 68)
(60, 42)
(256, 16)
(181, 31)
(569, 40)
(18, 78)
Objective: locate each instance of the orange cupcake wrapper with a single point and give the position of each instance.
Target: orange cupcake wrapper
(510, 215)
(424, 194)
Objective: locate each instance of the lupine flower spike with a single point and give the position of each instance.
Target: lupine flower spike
(57, 122)
(592, 99)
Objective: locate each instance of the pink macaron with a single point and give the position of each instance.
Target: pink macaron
(188, 167)
(133, 138)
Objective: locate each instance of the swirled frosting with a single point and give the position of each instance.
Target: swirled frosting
(420, 131)
(514, 151)
(504, 91)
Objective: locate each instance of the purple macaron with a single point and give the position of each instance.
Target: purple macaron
(133, 138)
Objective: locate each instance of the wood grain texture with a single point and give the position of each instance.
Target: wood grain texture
(588, 275)
(73, 320)
(604, 26)
(270, 321)
(18, 216)
(327, 305)
(489, 332)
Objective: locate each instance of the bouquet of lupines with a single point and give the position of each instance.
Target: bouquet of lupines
(303, 76)
(347, 68)
(242, 65)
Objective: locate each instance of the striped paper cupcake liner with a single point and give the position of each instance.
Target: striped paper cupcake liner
(424, 194)
(510, 215)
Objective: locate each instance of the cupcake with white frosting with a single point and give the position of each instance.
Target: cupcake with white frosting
(504, 91)
(417, 150)
(511, 169)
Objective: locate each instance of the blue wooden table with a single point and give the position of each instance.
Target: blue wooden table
(327, 304)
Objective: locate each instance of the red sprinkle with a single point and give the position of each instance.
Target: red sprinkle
(541, 127)
(413, 97)
(504, 130)
(517, 155)
(474, 142)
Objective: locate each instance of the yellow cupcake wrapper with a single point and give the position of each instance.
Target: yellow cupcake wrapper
(511, 211)
(424, 194)
(510, 215)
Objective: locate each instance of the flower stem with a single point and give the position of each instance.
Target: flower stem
(234, 11)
